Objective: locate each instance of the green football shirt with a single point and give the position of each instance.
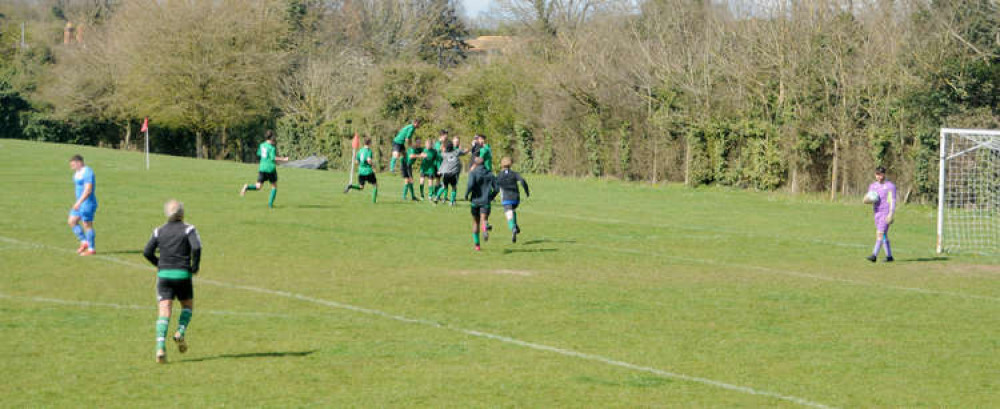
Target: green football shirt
(364, 168)
(487, 154)
(403, 135)
(429, 164)
(411, 151)
(267, 153)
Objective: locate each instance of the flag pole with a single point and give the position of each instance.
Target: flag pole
(145, 128)
(354, 155)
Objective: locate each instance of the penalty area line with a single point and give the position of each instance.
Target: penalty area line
(479, 334)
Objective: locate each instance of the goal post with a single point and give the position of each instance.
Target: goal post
(968, 217)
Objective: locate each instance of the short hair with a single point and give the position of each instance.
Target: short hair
(506, 162)
(880, 170)
(444, 132)
(174, 210)
(478, 160)
(76, 158)
(368, 141)
(481, 136)
(269, 135)
(448, 146)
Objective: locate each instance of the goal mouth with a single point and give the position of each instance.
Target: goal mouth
(969, 191)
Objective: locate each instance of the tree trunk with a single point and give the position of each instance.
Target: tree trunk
(128, 135)
(833, 176)
(199, 145)
(223, 151)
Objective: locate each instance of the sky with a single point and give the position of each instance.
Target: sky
(474, 7)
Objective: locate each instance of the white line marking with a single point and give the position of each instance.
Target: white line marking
(501, 338)
(134, 307)
(795, 273)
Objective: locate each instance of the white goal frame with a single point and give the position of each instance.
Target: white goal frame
(951, 156)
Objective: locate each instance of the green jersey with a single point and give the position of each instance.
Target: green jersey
(429, 165)
(404, 134)
(487, 154)
(267, 153)
(411, 151)
(364, 168)
(437, 147)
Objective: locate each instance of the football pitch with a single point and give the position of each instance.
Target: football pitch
(616, 295)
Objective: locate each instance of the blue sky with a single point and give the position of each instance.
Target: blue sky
(473, 7)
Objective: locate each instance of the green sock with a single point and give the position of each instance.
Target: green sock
(510, 224)
(184, 320)
(406, 190)
(392, 165)
(454, 192)
(413, 192)
(374, 195)
(270, 201)
(514, 218)
(161, 332)
(355, 187)
(475, 238)
(421, 190)
(251, 186)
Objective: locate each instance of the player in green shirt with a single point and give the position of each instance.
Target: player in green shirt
(485, 152)
(428, 169)
(268, 170)
(412, 154)
(400, 141)
(366, 174)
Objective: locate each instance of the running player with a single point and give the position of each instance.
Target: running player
(510, 197)
(412, 154)
(450, 168)
(366, 174)
(180, 257)
(428, 169)
(83, 210)
(480, 192)
(884, 209)
(268, 170)
(401, 141)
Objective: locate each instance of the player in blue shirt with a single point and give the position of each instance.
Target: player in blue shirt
(83, 210)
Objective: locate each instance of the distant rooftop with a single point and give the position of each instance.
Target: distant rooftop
(489, 43)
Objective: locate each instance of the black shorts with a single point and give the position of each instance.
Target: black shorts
(398, 147)
(480, 210)
(169, 289)
(450, 180)
(407, 171)
(432, 173)
(362, 179)
(267, 177)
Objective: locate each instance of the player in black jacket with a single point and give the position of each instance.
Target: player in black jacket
(480, 192)
(180, 257)
(510, 197)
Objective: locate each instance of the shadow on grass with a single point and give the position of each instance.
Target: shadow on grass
(921, 259)
(251, 355)
(543, 241)
(512, 251)
(315, 206)
(122, 252)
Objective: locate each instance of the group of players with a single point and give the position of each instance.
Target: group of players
(439, 170)
(179, 245)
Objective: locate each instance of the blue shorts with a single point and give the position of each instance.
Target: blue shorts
(510, 204)
(86, 212)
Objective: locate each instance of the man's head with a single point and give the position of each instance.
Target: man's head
(174, 210)
(428, 143)
(443, 135)
(76, 162)
(481, 139)
(880, 174)
(368, 141)
(448, 146)
(506, 162)
(269, 136)
(416, 122)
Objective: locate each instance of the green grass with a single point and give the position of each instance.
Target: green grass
(768, 292)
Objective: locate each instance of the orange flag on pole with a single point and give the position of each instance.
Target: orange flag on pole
(145, 125)
(356, 143)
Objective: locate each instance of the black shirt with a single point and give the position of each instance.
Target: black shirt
(180, 247)
(507, 181)
(482, 187)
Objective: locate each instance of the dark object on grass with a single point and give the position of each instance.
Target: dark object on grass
(312, 162)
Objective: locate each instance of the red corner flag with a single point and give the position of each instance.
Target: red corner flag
(145, 125)
(356, 142)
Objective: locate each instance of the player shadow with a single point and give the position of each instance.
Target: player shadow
(512, 251)
(251, 355)
(315, 206)
(122, 252)
(922, 259)
(543, 241)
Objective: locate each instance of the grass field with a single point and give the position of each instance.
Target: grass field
(617, 295)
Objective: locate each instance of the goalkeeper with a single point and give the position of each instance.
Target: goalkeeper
(885, 210)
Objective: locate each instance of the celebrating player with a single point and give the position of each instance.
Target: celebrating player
(366, 174)
(400, 142)
(485, 152)
(428, 169)
(450, 168)
(180, 257)
(83, 210)
(507, 181)
(267, 171)
(480, 192)
(884, 209)
(412, 154)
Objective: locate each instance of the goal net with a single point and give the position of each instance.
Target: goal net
(969, 192)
